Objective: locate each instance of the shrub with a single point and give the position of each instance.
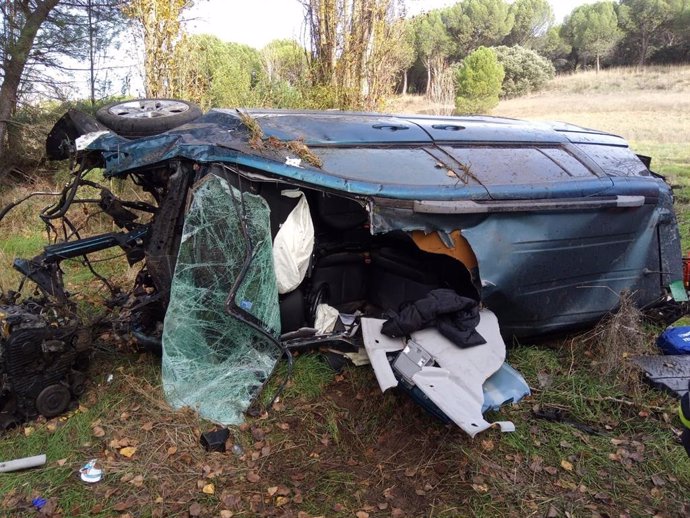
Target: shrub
(478, 82)
(525, 70)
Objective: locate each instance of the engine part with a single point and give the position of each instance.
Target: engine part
(43, 356)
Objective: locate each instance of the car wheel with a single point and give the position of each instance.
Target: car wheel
(146, 117)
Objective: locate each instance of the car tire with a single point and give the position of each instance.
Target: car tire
(146, 117)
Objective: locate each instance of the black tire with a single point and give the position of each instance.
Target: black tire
(146, 117)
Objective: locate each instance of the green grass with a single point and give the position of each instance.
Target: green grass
(71, 441)
(310, 374)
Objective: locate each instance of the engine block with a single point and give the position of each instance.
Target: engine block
(43, 356)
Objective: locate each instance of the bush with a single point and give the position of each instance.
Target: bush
(478, 82)
(525, 70)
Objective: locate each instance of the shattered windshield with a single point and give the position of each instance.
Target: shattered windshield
(213, 361)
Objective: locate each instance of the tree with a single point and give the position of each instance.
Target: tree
(433, 44)
(525, 70)
(406, 51)
(21, 24)
(39, 39)
(215, 73)
(458, 29)
(533, 18)
(592, 29)
(490, 21)
(478, 82)
(353, 46)
(160, 27)
(643, 21)
(553, 47)
(285, 60)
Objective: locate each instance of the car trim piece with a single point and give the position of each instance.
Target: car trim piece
(482, 207)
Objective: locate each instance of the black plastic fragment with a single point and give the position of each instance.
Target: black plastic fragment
(667, 372)
(215, 439)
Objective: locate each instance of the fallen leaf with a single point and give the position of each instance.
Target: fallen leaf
(544, 379)
(550, 470)
(282, 500)
(253, 477)
(258, 433)
(362, 514)
(194, 509)
(172, 450)
(209, 489)
(480, 488)
(396, 512)
(338, 507)
(61, 462)
(283, 491)
(226, 514)
(272, 490)
(121, 506)
(568, 466)
(147, 426)
(410, 472)
(382, 506)
(28, 430)
(657, 480)
(552, 513)
(488, 445)
(128, 451)
(98, 431)
(138, 481)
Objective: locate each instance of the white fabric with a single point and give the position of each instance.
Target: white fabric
(326, 318)
(293, 245)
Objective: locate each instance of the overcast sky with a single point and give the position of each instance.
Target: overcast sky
(256, 22)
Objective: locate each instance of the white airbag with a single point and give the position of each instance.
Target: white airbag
(293, 245)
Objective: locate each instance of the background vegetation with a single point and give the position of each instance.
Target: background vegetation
(357, 54)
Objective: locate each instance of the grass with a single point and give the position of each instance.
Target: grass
(333, 445)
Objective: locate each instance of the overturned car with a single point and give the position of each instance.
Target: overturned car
(268, 231)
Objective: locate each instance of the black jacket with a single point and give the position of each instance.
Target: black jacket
(455, 316)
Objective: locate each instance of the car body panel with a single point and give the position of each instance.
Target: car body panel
(560, 218)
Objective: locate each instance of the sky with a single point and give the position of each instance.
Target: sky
(256, 22)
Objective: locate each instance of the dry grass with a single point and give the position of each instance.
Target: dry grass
(613, 340)
(649, 105)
